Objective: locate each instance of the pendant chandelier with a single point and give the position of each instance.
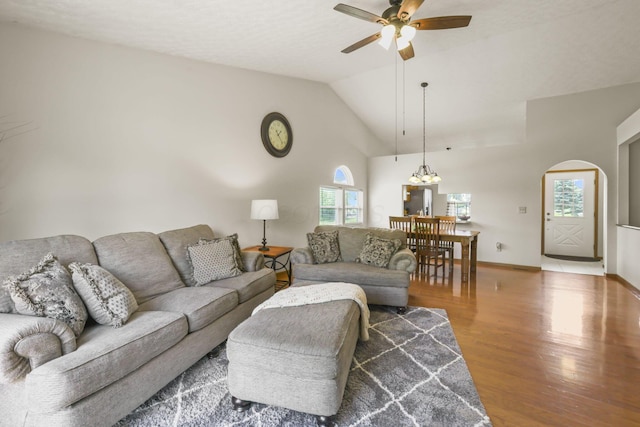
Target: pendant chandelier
(424, 174)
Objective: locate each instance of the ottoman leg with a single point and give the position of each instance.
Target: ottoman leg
(325, 421)
(239, 404)
(401, 310)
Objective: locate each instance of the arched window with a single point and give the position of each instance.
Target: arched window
(341, 204)
(343, 176)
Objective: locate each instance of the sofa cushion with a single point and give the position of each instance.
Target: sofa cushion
(140, 261)
(248, 284)
(213, 260)
(324, 246)
(176, 243)
(351, 272)
(104, 355)
(46, 290)
(18, 256)
(378, 251)
(108, 300)
(201, 305)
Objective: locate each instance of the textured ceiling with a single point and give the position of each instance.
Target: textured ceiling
(480, 77)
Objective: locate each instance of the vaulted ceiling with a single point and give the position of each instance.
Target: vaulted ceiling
(480, 77)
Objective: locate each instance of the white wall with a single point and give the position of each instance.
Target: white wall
(126, 140)
(572, 127)
(628, 243)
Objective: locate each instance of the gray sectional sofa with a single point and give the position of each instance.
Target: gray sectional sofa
(50, 377)
(383, 285)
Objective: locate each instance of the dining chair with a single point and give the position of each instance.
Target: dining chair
(447, 226)
(403, 223)
(428, 251)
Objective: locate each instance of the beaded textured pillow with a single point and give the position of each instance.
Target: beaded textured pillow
(237, 253)
(324, 246)
(378, 251)
(213, 260)
(47, 291)
(108, 300)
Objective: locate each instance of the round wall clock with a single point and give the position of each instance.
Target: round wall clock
(276, 134)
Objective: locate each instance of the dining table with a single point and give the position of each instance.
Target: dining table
(468, 240)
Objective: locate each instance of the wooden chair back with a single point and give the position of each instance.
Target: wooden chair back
(403, 223)
(427, 234)
(447, 223)
(428, 251)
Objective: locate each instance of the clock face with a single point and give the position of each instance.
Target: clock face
(276, 134)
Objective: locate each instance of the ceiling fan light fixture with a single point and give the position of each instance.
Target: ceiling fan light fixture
(402, 43)
(408, 32)
(387, 33)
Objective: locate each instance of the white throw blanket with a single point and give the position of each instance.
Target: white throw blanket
(323, 292)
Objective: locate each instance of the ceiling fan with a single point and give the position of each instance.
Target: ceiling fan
(397, 25)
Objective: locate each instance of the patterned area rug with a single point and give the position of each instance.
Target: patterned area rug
(410, 373)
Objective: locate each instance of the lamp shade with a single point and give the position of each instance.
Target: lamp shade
(264, 209)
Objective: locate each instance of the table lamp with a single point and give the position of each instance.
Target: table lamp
(264, 210)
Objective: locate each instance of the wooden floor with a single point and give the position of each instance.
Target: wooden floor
(545, 348)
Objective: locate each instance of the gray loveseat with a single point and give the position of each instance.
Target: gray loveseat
(383, 285)
(48, 377)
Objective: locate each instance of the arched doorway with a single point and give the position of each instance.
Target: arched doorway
(574, 218)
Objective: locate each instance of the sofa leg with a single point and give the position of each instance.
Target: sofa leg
(401, 310)
(239, 404)
(325, 421)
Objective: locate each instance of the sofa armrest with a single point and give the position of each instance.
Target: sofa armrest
(27, 342)
(404, 259)
(302, 256)
(253, 261)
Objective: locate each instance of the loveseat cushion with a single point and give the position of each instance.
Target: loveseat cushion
(351, 272)
(201, 305)
(104, 355)
(352, 239)
(176, 243)
(248, 284)
(141, 263)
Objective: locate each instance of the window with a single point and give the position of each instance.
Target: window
(459, 204)
(568, 198)
(341, 205)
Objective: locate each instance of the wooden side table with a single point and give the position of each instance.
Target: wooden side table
(273, 261)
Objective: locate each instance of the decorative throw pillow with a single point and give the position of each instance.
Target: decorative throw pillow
(237, 252)
(324, 246)
(213, 260)
(47, 291)
(108, 300)
(378, 251)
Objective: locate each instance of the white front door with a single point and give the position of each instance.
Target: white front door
(569, 214)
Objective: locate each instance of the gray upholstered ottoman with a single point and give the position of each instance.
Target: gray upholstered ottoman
(294, 357)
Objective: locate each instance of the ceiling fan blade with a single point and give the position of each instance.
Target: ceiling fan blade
(441, 22)
(361, 43)
(408, 8)
(407, 52)
(359, 13)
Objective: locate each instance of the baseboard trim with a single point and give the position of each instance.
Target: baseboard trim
(509, 266)
(635, 291)
(503, 266)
